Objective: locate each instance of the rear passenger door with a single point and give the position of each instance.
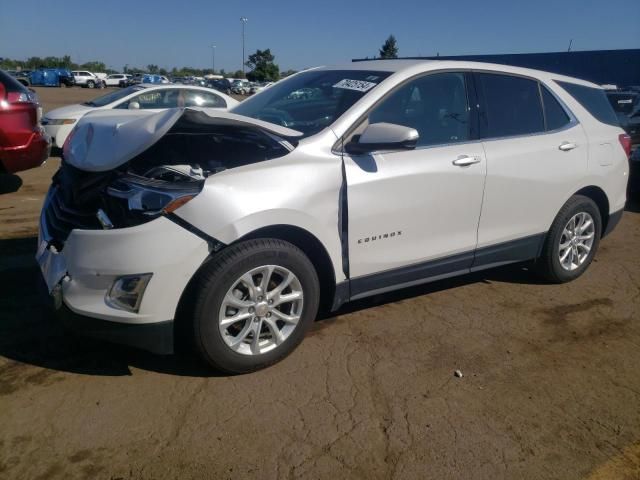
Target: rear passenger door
(536, 153)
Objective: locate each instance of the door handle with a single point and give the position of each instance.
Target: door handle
(566, 146)
(465, 161)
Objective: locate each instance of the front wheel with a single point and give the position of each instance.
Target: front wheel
(90, 84)
(254, 302)
(572, 241)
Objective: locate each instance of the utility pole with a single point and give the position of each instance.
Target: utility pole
(213, 60)
(244, 21)
(570, 43)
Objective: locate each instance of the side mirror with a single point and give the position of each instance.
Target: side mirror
(383, 136)
(134, 106)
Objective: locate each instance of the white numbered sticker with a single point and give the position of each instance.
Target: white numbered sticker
(358, 85)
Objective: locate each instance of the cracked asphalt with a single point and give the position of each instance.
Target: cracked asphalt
(550, 385)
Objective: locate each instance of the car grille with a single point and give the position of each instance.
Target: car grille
(61, 218)
(73, 201)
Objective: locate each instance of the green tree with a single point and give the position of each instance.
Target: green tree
(287, 73)
(94, 66)
(262, 66)
(389, 48)
(238, 74)
(152, 68)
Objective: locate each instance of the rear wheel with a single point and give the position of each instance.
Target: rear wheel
(254, 303)
(572, 241)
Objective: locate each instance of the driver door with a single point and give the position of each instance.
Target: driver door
(414, 214)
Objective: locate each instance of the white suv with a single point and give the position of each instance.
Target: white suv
(86, 79)
(235, 228)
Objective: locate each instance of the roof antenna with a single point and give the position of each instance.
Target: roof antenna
(570, 43)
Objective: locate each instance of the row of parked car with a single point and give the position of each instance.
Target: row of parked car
(26, 136)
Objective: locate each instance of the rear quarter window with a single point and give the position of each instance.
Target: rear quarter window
(594, 100)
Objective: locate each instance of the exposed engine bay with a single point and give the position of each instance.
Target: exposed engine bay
(169, 171)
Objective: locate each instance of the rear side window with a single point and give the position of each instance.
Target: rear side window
(511, 106)
(594, 101)
(554, 114)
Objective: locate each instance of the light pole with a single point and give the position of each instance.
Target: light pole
(213, 60)
(244, 21)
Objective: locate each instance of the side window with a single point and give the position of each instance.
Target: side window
(594, 101)
(511, 106)
(435, 105)
(198, 98)
(554, 114)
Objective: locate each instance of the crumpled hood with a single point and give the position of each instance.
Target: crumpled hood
(105, 139)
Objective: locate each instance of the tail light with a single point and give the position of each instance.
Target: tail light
(21, 97)
(625, 141)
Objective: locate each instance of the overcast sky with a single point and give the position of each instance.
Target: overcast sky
(302, 33)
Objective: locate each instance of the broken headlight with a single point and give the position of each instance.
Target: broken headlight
(152, 196)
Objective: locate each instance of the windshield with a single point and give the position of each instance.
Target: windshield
(112, 97)
(310, 101)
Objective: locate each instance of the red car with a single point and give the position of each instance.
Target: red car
(23, 143)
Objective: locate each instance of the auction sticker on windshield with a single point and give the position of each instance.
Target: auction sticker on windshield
(358, 85)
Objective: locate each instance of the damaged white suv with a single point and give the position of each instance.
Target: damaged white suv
(332, 185)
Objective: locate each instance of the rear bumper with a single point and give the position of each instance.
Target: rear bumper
(23, 157)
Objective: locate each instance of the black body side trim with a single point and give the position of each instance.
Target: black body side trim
(519, 250)
(214, 244)
(513, 251)
(614, 220)
(341, 295)
(410, 275)
(153, 337)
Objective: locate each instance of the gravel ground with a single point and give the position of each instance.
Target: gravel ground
(549, 389)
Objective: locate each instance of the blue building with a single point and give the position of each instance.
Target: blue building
(617, 67)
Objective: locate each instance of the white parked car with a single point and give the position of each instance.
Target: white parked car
(235, 227)
(115, 79)
(86, 79)
(58, 123)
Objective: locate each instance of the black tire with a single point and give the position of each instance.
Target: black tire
(548, 265)
(90, 84)
(219, 275)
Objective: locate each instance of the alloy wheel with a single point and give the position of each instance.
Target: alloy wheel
(261, 310)
(576, 241)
